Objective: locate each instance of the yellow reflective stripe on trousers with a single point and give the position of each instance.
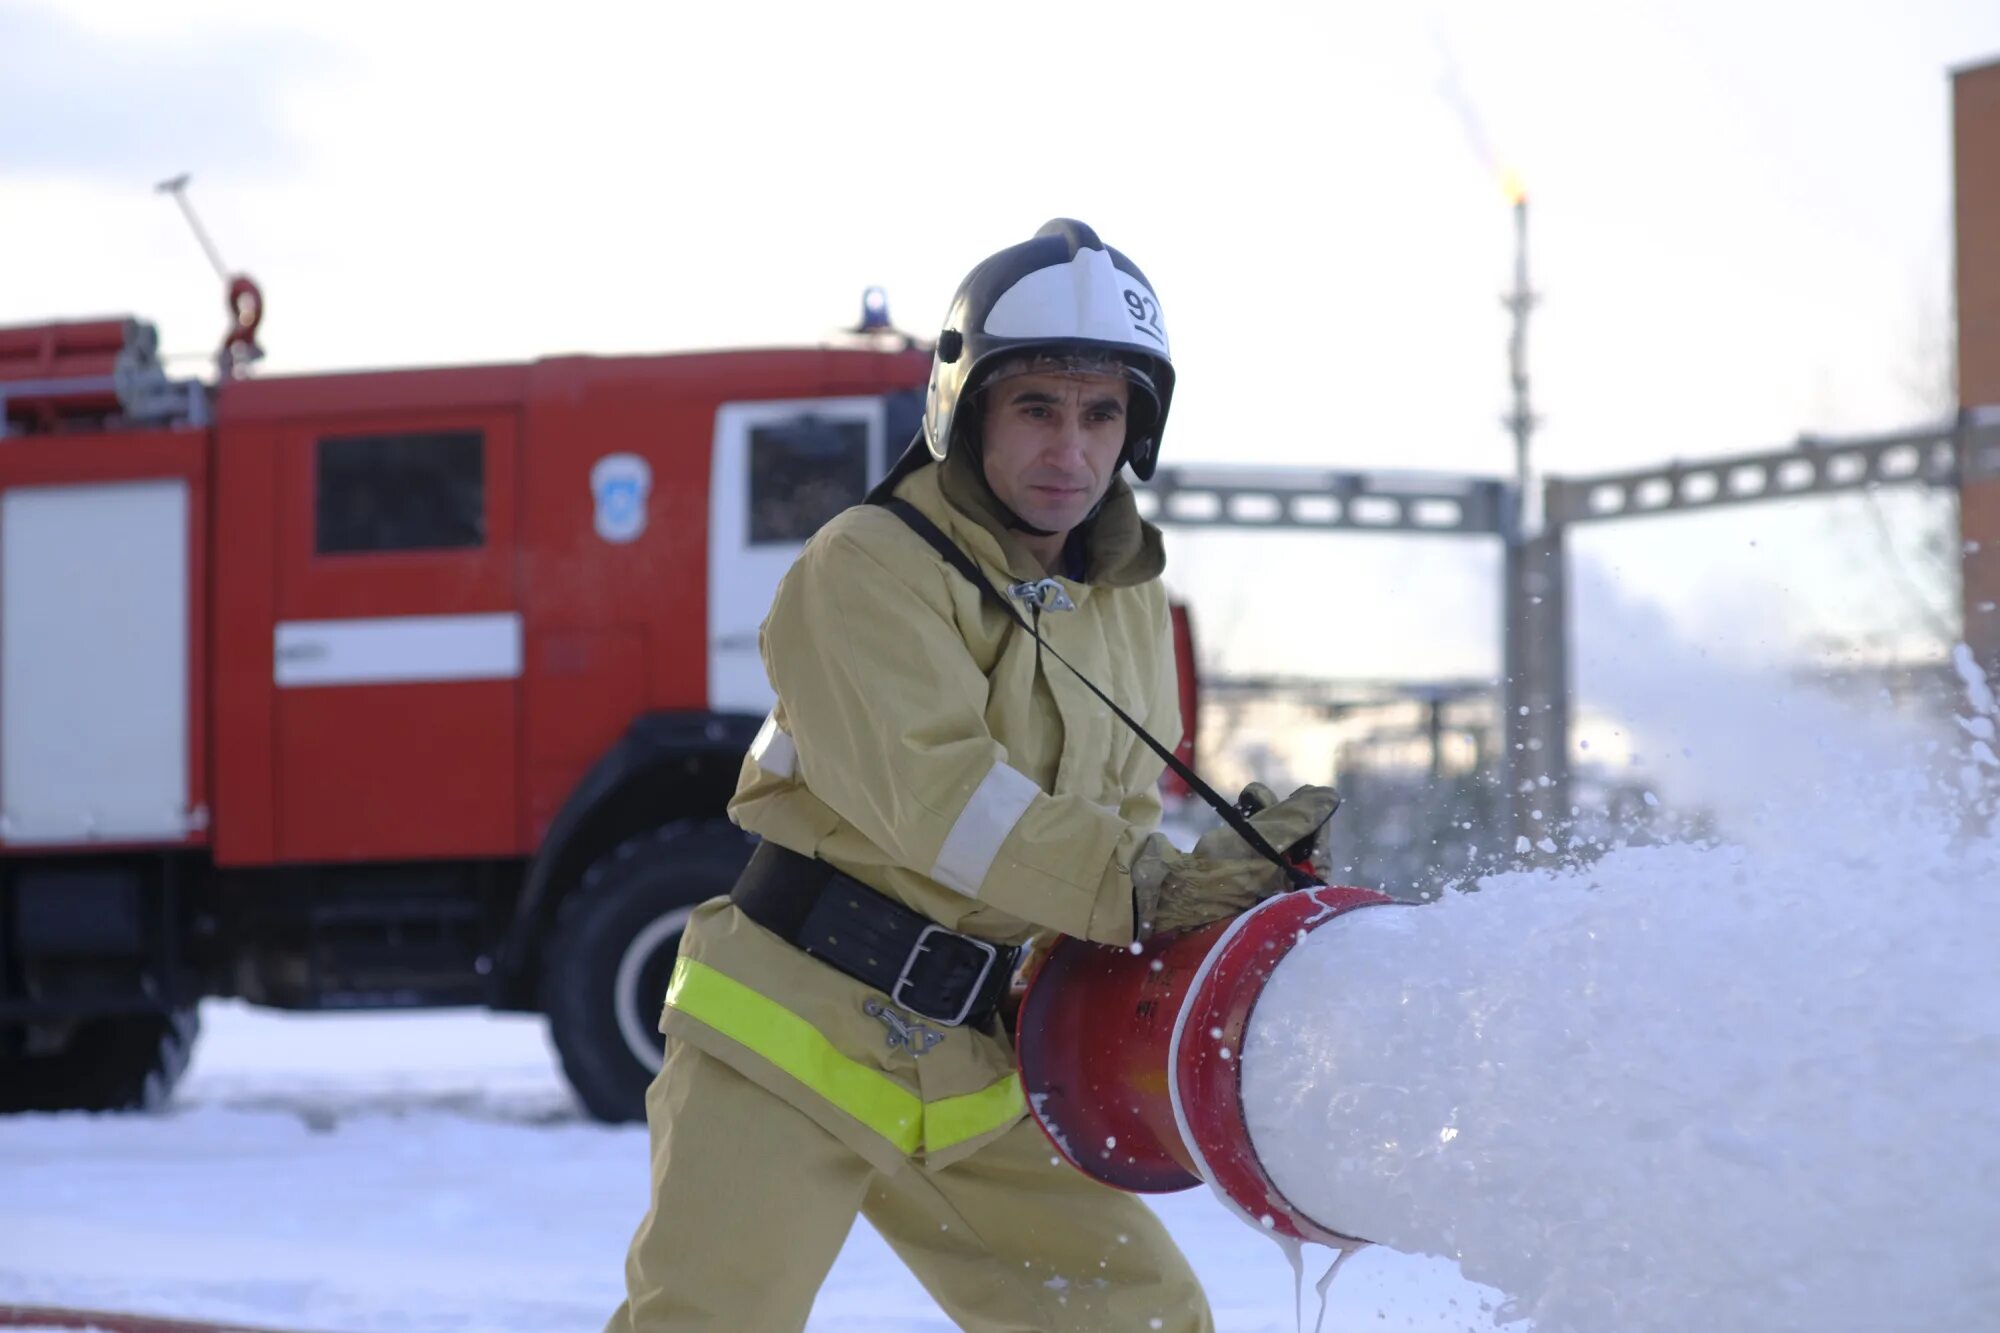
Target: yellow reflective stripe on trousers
(802, 1051)
(798, 1048)
(956, 1119)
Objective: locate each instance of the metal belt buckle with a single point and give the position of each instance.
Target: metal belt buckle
(972, 992)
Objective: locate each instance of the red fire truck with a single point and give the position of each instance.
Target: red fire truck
(387, 689)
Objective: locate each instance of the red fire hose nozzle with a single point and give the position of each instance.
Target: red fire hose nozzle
(1132, 1062)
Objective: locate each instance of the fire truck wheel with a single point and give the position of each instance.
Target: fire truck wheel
(613, 953)
(127, 1062)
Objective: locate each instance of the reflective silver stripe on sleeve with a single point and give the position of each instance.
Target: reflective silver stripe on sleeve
(997, 804)
(773, 750)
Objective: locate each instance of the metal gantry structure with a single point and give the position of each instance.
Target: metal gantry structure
(1327, 499)
(1534, 684)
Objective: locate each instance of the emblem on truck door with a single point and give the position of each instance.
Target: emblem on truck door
(619, 484)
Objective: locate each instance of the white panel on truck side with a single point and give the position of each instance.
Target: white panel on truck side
(778, 470)
(94, 662)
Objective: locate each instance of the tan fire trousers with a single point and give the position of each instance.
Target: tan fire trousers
(752, 1202)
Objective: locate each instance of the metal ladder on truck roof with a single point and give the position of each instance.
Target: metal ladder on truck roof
(91, 375)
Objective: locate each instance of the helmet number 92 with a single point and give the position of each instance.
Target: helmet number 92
(1145, 314)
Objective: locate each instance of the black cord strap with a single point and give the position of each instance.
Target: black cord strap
(1231, 816)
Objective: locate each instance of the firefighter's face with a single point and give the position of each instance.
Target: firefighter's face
(1051, 443)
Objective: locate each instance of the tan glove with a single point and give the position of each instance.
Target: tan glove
(1224, 875)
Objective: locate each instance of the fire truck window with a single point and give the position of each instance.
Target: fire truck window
(802, 473)
(401, 492)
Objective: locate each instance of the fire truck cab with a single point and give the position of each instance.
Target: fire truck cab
(399, 688)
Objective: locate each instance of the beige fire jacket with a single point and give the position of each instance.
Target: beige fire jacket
(919, 745)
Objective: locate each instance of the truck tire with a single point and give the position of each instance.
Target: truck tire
(616, 939)
(124, 1062)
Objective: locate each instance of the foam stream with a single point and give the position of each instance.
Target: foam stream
(1753, 1085)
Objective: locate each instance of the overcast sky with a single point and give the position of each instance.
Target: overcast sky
(1740, 214)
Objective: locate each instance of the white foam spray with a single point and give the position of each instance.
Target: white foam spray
(1747, 1085)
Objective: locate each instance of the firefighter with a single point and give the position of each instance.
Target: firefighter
(931, 790)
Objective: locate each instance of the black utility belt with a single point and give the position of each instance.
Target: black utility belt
(946, 977)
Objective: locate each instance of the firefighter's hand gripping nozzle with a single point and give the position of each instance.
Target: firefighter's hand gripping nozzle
(1174, 890)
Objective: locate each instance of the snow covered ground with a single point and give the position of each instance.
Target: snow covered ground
(418, 1173)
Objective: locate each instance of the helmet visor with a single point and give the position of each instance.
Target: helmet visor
(1143, 407)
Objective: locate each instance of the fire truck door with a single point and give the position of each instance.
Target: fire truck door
(397, 649)
(780, 470)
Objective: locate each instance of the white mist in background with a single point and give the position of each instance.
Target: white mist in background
(1736, 734)
(1749, 1084)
